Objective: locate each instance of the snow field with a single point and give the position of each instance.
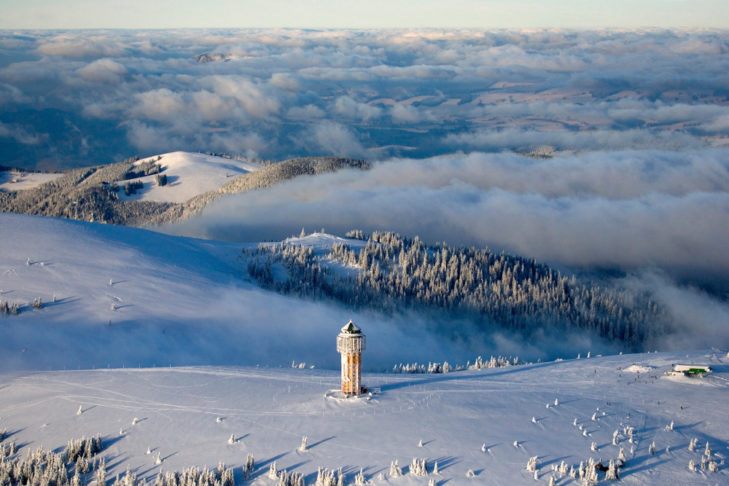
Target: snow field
(129, 297)
(13, 180)
(188, 175)
(466, 421)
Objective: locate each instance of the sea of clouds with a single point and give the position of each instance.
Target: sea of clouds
(626, 132)
(70, 98)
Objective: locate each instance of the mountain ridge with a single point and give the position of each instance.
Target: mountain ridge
(93, 193)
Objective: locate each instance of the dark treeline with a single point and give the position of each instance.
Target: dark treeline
(393, 273)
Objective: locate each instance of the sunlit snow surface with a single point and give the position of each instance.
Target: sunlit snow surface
(188, 175)
(142, 301)
(130, 297)
(188, 414)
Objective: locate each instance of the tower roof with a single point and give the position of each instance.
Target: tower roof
(350, 328)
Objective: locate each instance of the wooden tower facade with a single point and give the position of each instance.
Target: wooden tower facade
(350, 344)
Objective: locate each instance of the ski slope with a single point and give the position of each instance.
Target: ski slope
(488, 421)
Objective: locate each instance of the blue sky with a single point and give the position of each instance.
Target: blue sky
(31, 14)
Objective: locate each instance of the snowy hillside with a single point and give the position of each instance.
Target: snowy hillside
(15, 180)
(116, 297)
(480, 426)
(128, 297)
(188, 175)
(322, 243)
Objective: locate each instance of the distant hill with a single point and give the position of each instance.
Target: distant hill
(385, 271)
(154, 190)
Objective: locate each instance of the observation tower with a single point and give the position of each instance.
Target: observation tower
(350, 344)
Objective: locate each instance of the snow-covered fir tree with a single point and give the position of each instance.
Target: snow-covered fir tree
(359, 479)
(248, 467)
(418, 467)
(395, 470)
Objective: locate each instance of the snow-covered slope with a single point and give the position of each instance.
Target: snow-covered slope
(142, 301)
(188, 175)
(127, 297)
(322, 242)
(14, 180)
(489, 422)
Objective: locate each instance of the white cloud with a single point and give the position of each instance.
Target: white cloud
(600, 139)
(284, 81)
(160, 104)
(475, 90)
(103, 71)
(79, 45)
(306, 112)
(405, 114)
(335, 139)
(346, 106)
(21, 135)
(248, 144)
(572, 210)
(250, 96)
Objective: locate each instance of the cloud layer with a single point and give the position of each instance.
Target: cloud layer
(659, 217)
(83, 97)
(629, 209)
